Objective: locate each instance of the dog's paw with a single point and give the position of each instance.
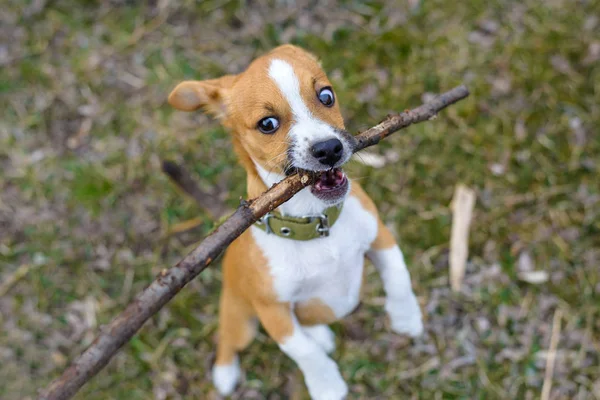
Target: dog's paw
(412, 326)
(332, 393)
(405, 317)
(226, 377)
(322, 335)
(326, 383)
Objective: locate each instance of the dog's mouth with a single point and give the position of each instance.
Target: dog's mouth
(330, 185)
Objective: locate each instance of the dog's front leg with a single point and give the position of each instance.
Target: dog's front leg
(401, 304)
(321, 373)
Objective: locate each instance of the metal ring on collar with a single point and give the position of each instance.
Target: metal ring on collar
(323, 227)
(265, 220)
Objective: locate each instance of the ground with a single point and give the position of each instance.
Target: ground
(87, 217)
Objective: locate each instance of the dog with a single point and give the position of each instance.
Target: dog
(300, 267)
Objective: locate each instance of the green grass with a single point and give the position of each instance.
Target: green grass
(86, 206)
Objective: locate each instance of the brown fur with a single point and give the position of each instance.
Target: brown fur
(314, 312)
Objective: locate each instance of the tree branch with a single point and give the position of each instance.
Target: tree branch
(170, 281)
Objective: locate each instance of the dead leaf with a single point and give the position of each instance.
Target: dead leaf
(501, 85)
(488, 26)
(497, 169)
(520, 130)
(533, 277)
(593, 54)
(525, 262)
(482, 39)
(84, 129)
(562, 65)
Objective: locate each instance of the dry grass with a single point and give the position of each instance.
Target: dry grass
(84, 209)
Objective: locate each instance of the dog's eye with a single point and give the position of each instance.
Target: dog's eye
(326, 97)
(268, 125)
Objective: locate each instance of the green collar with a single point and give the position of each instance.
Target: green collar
(300, 228)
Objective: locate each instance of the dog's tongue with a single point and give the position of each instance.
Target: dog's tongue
(330, 179)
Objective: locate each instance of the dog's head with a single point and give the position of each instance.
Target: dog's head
(284, 115)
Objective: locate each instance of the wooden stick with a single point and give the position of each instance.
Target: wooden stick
(172, 280)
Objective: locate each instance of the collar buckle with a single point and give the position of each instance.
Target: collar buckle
(323, 227)
(264, 220)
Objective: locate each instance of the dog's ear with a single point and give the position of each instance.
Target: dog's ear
(210, 95)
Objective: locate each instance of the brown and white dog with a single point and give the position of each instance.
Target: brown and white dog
(283, 114)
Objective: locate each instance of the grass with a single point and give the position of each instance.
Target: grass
(84, 205)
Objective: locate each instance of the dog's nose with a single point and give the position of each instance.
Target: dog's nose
(328, 152)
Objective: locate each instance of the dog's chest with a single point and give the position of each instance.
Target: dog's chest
(328, 269)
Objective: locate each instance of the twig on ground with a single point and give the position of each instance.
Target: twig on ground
(432, 363)
(170, 281)
(554, 338)
(462, 211)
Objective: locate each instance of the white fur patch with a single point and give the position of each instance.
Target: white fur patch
(283, 74)
(329, 268)
(401, 304)
(321, 374)
(226, 377)
(306, 130)
(322, 335)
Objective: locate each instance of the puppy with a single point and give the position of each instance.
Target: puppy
(301, 267)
